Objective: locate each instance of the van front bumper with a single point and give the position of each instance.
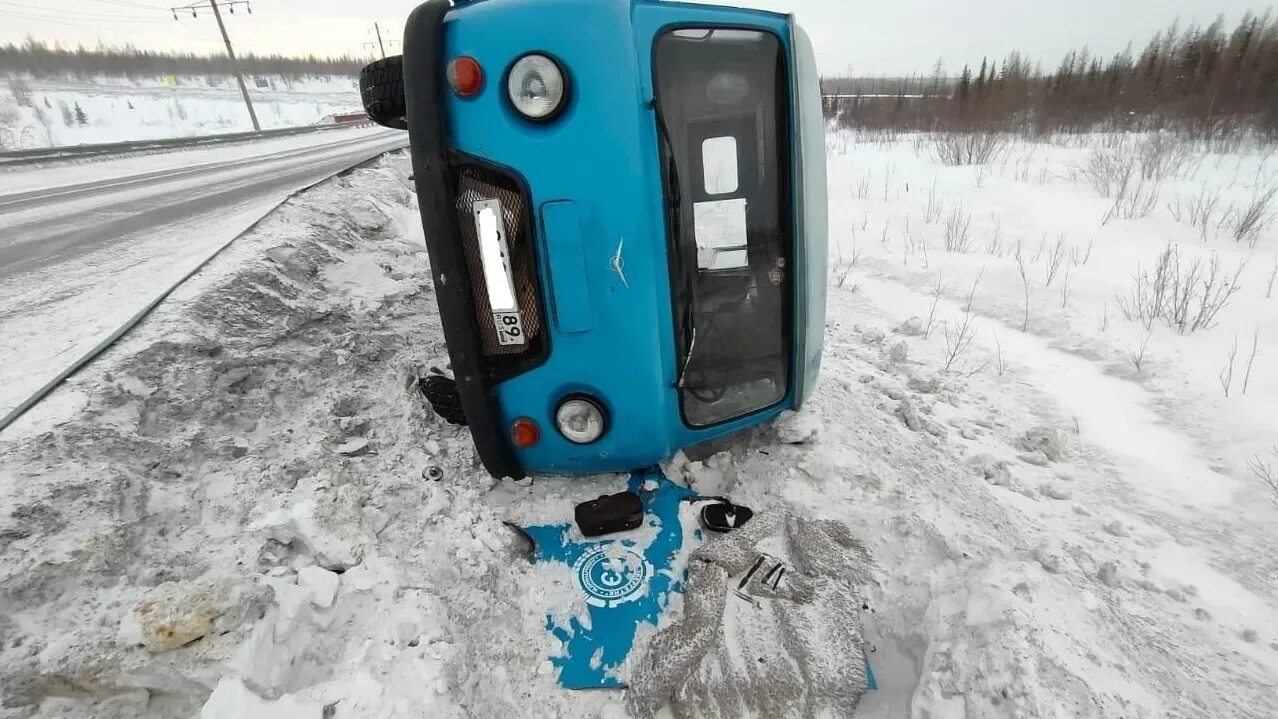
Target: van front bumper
(425, 103)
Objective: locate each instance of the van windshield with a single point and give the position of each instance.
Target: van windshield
(721, 101)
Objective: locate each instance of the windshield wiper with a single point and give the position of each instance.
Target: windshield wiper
(687, 293)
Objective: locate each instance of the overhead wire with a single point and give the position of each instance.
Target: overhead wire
(129, 3)
(87, 22)
(60, 14)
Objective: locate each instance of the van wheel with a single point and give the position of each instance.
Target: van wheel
(381, 87)
(441, 392)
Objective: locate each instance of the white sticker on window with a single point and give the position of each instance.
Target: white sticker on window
(720, 227)
(719, 163)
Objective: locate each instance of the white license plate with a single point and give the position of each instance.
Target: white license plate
(495, 256)
(510, 329)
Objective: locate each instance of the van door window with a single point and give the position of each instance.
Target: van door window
(723, 120)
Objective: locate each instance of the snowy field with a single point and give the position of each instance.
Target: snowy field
(118, 109)
(227, 512)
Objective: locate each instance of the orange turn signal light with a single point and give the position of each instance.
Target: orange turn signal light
(525, 433)
(465, 75)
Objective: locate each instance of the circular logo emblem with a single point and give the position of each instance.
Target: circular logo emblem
(611, 575)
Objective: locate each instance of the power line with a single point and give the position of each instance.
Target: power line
(55, 13)
(230, 51)
(87, 22)
(380, 44)
(128, 3)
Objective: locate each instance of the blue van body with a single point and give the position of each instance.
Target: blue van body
(596, 208)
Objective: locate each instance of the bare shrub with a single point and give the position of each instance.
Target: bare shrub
(1082, 259)
(1056, 259)
(958, 231)
(1134, 198)
(1196, 210)
(982, 174)
(1226, 375)
(863, 188)
(1185, 295)
(994, 246)
(1001, 363)
(1104, 320)
(959, 338)
(9, 119)
(1137, 356)
(46, 124)
(1105, 170)
(1253, 218)
(935, 205)
(844, 268)
(1025, 283)
(1251, 359)
(1162, 156)
(1273, 274)
(1065, 288)
(967, 148)
(1021, 171)
(1263, 468)
(21, 91)
(937, 293)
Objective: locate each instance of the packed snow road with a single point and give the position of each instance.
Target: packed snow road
(84, 247)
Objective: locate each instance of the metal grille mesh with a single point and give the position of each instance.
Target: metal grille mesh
(475, 184)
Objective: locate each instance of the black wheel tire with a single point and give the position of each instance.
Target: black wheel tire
(441, 392)
(381, 87)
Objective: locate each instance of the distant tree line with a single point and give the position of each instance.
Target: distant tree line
(40, 60)
(1208, 80)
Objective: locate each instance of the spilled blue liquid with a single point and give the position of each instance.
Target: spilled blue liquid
(624, 583)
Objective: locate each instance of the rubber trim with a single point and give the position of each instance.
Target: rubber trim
(425, 99)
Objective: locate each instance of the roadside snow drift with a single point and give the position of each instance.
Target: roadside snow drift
(227, 515)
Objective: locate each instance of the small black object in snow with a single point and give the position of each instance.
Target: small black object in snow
(724, 517)
(610, 513)
(441, 392)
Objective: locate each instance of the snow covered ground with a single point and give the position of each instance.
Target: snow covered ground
(118, 109)
(227, 511)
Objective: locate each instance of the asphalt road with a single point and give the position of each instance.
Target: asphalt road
(51, 225)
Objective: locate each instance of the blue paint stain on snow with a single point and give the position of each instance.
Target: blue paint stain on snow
(625, 582)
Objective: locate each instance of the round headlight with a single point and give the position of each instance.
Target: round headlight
(536, 87)
(579, 420)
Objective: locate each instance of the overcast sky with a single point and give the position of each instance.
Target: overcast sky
(873, 38)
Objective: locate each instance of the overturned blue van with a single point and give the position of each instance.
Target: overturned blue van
(624, 205)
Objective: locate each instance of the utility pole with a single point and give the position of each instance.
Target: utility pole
(248, 102)
(378, 29)
(230, 51)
